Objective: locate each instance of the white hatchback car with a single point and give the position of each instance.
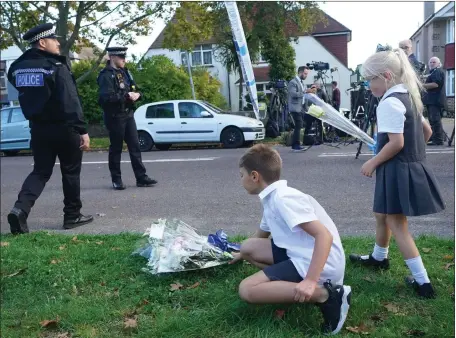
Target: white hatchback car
(192, 121)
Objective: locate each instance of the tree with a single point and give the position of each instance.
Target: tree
(81, 23)
(268, 26)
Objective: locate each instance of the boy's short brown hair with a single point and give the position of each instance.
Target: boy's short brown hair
(263, 159)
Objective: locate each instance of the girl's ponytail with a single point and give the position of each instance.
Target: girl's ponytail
(411, 81)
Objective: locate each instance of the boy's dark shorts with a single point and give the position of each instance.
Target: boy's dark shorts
(283, 268)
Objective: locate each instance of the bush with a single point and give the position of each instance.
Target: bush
(158, 79)
(88, 91)
(207, 88)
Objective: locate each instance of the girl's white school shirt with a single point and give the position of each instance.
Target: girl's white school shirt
(285, 209)
(391, 112)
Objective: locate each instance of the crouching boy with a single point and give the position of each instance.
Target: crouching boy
(304, 260)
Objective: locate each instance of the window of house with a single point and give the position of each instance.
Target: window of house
(261, 58)
(160, 111)
(2, 74)
(200, 56)
(17, 116)
(449, 83)
(450, 31)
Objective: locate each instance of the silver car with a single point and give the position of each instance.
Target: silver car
(15, 131)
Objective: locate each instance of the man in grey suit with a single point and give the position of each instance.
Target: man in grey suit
(296, 91)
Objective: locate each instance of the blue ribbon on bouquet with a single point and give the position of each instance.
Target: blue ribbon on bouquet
(220, 240)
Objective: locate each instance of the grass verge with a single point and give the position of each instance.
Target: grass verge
(90, 286)
(102, 143)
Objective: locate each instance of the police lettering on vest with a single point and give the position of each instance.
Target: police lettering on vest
(30, 80)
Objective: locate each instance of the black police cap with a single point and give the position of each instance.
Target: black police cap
(117, 51)
(43, 31)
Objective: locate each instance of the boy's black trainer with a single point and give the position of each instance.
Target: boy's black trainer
(335, 309)
(424, 290)
(370, 262)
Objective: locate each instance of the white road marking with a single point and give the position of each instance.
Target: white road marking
(449, 151)
(159, 160)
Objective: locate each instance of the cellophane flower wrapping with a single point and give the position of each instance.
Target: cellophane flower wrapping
(174, 246)
(325, 112)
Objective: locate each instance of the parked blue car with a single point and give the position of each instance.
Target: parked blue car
(15, 131)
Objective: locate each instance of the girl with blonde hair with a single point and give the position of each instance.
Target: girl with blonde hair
(405, 185)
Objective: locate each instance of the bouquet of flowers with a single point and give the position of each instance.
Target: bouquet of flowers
(175, 246)
(323, 111)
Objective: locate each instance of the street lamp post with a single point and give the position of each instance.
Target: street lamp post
(187, 58)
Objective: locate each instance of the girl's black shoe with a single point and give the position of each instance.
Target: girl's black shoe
(370, 262)
(424, 290)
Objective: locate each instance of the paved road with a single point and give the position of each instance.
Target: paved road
(202, 187)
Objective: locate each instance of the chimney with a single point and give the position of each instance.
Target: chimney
(429, 9)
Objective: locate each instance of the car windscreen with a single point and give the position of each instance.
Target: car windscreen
(212, 107)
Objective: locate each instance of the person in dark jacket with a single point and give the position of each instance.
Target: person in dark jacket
(434, 85)
(406, 46)
(335, 102)
(50, 101)
(117, 96)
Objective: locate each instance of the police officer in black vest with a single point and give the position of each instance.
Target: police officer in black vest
(50, 101)
(117, 96)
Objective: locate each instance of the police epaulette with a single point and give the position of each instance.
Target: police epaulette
(55, 63)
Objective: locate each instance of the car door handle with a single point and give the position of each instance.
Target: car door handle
(183, 122)
(150, 123)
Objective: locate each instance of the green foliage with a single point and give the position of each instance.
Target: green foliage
(207, 88)
(81, 23)
(158, 79)
(268, 29)
(194, 25)
(88, 91)
(280, 55)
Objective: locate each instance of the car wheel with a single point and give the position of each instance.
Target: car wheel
(10, 152)
(145, 141)
(232, 137)
(163, 146)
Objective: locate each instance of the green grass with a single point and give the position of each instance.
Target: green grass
(99, 143)
(92, 285)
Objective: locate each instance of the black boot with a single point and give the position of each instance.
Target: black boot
(70, 223)
(145, 181)
(118, 185)
(17, 220)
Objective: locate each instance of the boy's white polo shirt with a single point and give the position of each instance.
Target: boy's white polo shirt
(284, 209)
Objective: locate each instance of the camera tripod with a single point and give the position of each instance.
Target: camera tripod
(369, 121)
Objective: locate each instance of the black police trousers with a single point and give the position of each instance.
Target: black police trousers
(123, 128)
(48, 142)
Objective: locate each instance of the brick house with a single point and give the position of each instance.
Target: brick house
(435, 37)
(326, 43)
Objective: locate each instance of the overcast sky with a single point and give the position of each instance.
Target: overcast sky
(370, 22)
